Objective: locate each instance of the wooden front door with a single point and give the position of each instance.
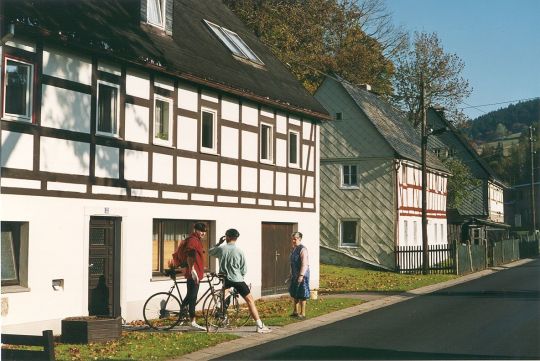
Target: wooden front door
(276, 246)
(104, 267)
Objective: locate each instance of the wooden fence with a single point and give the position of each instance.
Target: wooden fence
(441, 257)
(464, 258)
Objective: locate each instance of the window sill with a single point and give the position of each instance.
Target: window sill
(349, 246)
(17, 119)
(209, 151)
(268, 162)
(161, 278)
(164, 145)
(108, 135)
(15, 289)
(349, 187)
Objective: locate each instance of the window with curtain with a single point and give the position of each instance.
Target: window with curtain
(293, 149)
(18, 90)
(266, 143)
(107, 112)
(155, 12)
(167, 234)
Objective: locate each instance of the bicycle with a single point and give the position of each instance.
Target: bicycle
(163, 310)
(224, 309)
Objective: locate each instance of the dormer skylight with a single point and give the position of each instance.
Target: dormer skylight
(234, 42)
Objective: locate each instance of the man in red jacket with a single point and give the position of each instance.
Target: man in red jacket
(194, 270)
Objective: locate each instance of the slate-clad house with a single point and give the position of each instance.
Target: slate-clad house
(123, 122)
(480, 217)
(371, 180)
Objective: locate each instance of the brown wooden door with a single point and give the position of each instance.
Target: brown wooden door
(103, 267)
(276, 246)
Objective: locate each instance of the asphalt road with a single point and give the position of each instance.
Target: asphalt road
(493, 317)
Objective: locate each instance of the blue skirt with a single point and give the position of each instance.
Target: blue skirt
(300, 290)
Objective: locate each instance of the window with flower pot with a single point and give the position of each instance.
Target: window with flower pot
(163, 121)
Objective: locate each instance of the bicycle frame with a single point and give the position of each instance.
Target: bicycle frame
(209, 278)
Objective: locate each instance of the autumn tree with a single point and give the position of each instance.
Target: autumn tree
(460, 183)
(353, 39)
(441, 73)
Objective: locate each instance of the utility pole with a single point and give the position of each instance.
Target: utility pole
(533, 199)
(425, 251)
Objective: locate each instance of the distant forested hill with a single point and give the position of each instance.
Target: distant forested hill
(513, 119)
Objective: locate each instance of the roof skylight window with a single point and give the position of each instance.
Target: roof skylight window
(234, 42)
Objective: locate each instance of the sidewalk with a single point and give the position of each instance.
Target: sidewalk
(374, 301)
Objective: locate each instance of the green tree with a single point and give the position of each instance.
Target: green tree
(460, 183)
(441, 73)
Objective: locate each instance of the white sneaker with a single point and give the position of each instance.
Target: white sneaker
(263, 329)
(196, 326)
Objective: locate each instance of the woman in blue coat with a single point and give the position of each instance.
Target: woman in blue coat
(299, 288)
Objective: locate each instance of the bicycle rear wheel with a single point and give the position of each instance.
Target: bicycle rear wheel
(215, 319)
(237, 312)
(162, 311)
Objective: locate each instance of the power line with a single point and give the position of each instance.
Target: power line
(506, 102)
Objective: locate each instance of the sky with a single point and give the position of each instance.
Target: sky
(498, 40)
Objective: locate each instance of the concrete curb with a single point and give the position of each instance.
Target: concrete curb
(255, 339)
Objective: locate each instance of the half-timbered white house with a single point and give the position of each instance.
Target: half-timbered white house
(371, 184)
(122, 124)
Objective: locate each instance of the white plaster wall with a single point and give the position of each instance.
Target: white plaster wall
(249, 179)
(249, 146)
(267, 112)
(17, 150)
(136, 165)
(65, 109)
(186, 169)
(281, 152)
(230, 109)
(109, 68)
(137, 84)
(208, 174)
(306, 130)
(294, 185)
(187, 133)
(229, 142)
(281, 183)
(162, 168)
(281, 123)
(188, 97)
(137, 125)
(250, 114)
(308, 157)
(294, 120)
(64, 156)
(63, 254)
(209, 96)
(266, 181)
(66, 66)
(412, 241)
(107, 162)
(308, 191)
(229, 177)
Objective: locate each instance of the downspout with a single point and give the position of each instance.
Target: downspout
(397, 166)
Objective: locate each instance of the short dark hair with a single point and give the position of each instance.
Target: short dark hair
(199, 226)
(232, 233)
(296, 234)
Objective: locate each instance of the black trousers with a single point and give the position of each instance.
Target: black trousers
(191, 297)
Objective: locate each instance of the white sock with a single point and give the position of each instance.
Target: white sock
(259, 323)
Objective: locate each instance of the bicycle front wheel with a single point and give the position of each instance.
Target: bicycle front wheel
(214, 316)
(237, 313)
(162, 311)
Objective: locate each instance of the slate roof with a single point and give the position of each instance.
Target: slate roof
(393, 126)
(193, 52)
(454, 137)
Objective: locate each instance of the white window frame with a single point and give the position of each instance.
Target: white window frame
(270, 144)
(114, 133)
(156, 140)
(234, 43)
(357, 242)
(213, 149)
(349, 185)
(297, 163)
(29, 92)
(162, 6)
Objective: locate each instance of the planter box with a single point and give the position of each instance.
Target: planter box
(90, 329)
